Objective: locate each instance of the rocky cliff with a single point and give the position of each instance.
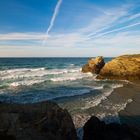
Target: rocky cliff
(40, 121)
(94, 65)
(126, 67)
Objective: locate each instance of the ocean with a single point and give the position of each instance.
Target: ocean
(31, 80)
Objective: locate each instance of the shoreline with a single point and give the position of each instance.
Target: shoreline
(130, 115)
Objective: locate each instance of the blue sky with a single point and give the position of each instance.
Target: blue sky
(57, 28)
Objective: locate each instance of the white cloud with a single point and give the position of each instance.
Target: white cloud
(107, 19)
(21, 36)
(97, 37)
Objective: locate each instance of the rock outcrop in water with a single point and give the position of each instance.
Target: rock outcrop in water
(126, 67)
(95, 129)
(94, 65)
(40, 121)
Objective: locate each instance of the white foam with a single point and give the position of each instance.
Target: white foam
(98, 88)
(25, 83)
(116, 86)
(21, 73)
(99, 98)
(27, 76)
(71, 66)
(70, 77)
(38, 72)
(80, 119)
(63, 79)
(121, 106)
(92, 102)
(112, 115)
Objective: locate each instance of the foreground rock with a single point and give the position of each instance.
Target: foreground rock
(94, 65)
(126, 67)
(41, 121)
(95, 129)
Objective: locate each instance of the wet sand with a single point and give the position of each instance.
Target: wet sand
(131, 114)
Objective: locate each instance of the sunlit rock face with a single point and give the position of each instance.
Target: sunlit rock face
(126, 67)
(94, 65)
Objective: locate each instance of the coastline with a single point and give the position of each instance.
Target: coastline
(130, 115)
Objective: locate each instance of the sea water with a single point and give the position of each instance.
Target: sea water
(30, 80)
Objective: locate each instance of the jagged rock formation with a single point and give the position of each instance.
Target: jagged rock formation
(95, 129)
(94, 65)
(40, 121)
(126, 67)
(47, 121)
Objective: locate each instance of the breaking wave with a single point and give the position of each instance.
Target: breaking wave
(92, 102)
(25, 76)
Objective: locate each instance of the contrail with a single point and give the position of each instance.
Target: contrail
(130, 18)
(115, 30)
(56, 10)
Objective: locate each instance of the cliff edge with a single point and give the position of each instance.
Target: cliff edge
(125, 67)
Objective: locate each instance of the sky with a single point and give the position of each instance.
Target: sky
(69, 28)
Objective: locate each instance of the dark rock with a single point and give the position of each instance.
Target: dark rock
(95, 129)
(6, 137)
(40, 121)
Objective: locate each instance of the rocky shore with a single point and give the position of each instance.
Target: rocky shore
(125, 67)
(40, 121)
(47, 121)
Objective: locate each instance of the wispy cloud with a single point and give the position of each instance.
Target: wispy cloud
(134, 16)
(21, 36)
(107, 19)
(114, 30)
(121, 40)
(102, 32)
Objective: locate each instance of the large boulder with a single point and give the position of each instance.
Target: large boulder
(126, 67)
(94, 129)
(94, 65)
(39, 121)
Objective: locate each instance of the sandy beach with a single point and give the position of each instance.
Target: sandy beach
(131, 114)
